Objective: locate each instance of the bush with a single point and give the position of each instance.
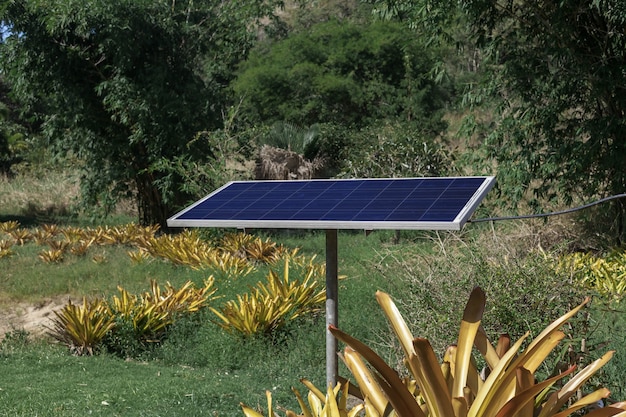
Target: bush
(396, 150)
(130, 324)
(603, 274)
(454, 386)
(341, 72)
(523, 289)
(270, 306)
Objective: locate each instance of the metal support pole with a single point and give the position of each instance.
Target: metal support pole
(332, 291)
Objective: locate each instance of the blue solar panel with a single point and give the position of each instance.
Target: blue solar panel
(399, 203)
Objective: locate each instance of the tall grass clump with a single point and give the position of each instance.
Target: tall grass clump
(520, 281)
(48, 194)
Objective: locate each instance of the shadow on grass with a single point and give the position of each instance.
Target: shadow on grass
(33, 216)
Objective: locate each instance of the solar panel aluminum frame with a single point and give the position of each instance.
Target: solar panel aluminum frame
(458, 222)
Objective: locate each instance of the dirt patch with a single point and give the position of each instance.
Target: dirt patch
(32, 318)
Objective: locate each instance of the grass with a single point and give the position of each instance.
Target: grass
(68, 386)
(51, 195)
(27, 278)
(201, 370)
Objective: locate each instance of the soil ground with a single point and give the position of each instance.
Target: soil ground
(32, 318)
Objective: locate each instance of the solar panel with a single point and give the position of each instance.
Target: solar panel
(433, 203)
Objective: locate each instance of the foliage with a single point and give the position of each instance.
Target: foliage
(290, 137)
(188, 249)
(203, 176)
(128, 324)
(268, 307)
(82, 327)
(303, 15)
(12, 143)
(51, 256)
(514, 274)
(605, 275)
(555, 70)
(143, 321)
(251, 247)
(234, 253)
(126, 86)
(333, 404)
(455, 387)
(165, 381)
(398, 150)
(343, 73)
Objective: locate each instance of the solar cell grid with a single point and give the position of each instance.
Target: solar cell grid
(410, 203)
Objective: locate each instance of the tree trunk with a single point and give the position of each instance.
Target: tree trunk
(150, 206)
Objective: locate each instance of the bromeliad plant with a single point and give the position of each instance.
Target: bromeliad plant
(333, 403)
(144, 318)
(234, 254)
(251, 248)
(269, 306)
(152, 312)
(190, 250)
(5, 248)
(82, 327)
(604, 274)
(454, 387)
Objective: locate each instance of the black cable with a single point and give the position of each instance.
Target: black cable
(554, 213)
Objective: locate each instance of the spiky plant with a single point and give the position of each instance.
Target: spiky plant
(72, 234)
(99, 258)
(147, 320)
(604, 274)
(81, 247)
(454, 387)
(270, 305)
(150, 314)
(42, 237)
(332, 404)
(9, 226)
(139, 256)
(61, 245)
(186, 299)
(51, 256)
(264, 251)
(21, 236)
(82, 327)
(188, 249)
(5, 249)
(6, 244)
(235, 243)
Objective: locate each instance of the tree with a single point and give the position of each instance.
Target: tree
(12, 143)
(344, 73)
(127, 84)
(557, 72)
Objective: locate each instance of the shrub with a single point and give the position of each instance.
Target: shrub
(82, 327)
(454, 387)
(603, 274)
(269, 306)
(523, 289)
(130, 324)
(396, 150)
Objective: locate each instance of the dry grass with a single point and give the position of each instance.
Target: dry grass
(48, 196)
(509, 260)
(280, 164)
(52, 193)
